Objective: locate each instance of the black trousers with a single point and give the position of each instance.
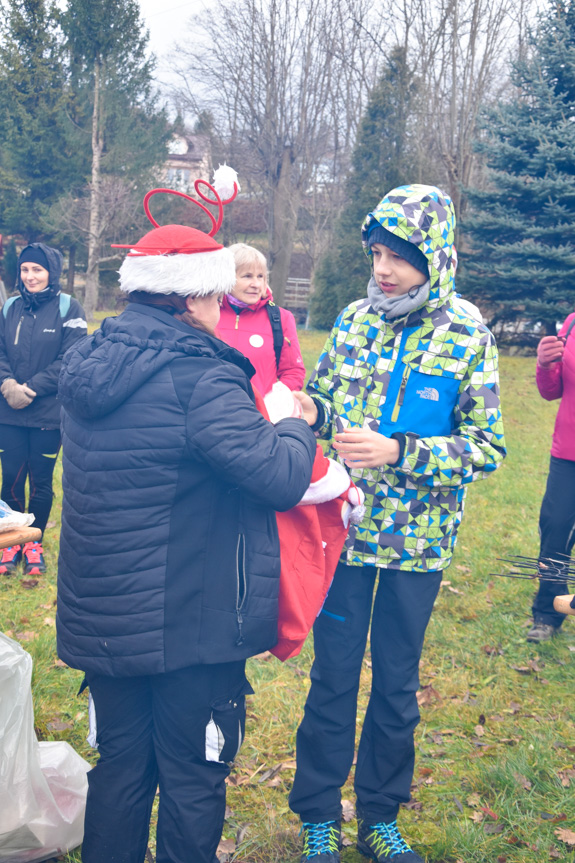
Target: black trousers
(326, 736)
(557, 529)
(180, 731)
(29, 453)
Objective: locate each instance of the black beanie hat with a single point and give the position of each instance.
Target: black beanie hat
(406, 250)
(34, 255)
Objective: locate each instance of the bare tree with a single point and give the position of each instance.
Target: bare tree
(285, 80)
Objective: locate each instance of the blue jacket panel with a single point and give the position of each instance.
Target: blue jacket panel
(169, 552)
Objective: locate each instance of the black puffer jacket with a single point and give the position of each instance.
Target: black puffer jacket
(169, 553)
(36, 330)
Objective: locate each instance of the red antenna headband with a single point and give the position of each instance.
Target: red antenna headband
(179, 239)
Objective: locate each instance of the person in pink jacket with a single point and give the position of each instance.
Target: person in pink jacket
(556, 380)
(245, 324)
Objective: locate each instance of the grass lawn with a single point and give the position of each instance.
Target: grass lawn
(495, 746)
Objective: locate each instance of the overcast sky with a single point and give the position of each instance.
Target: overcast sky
(167, 22)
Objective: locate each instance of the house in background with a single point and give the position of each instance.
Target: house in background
(189, 159)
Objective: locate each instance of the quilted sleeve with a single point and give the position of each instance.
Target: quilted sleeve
(477, 446)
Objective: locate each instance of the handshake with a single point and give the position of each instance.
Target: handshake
(17, 395)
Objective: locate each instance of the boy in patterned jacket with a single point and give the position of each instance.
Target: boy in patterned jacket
(406, 389)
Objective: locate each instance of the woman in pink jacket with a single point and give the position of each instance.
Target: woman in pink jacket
(556, 380)
(245, 324)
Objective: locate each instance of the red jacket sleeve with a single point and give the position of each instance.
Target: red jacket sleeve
(550, 381)
(291, 370)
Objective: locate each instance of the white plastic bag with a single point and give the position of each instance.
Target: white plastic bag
(281, 403)
(43, 786)
(9, 518)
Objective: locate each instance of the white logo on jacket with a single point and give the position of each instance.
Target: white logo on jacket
(428, 393)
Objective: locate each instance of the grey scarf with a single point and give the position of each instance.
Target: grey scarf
(396, 307)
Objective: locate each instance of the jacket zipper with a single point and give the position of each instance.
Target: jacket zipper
(400, 395)
(241, 584)
(17, 336)
(237, 326)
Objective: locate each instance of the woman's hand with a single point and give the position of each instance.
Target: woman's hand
(365, 448)
(17, 395)
(308, 406)
(550, 350)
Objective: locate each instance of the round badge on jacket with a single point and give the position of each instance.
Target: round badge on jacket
(256, 341)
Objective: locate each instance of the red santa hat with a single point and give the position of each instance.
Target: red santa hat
(179, 259)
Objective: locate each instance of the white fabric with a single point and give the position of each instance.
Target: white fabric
(198, 274)
(215, 741)
(76, 323)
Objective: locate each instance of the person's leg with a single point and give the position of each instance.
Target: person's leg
(122, 785)
(14, 443)
(326, 736)
(42, 455)
(14, 459)
(557, 529)
(402, 608)
(199, 721)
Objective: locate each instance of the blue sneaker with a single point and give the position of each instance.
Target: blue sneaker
(383, 842)
(321, 842)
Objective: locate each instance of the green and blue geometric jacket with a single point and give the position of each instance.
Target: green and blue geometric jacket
(432, 376)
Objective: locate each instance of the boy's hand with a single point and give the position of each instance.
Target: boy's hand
(308, 406)
(365, 448)
(550, 350)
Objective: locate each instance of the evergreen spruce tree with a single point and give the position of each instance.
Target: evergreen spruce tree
(110, 94)
(38, 159)
(382, 158)
(521, 228)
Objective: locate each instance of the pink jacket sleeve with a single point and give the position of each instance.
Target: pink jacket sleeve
(550, 381)
(291, 370)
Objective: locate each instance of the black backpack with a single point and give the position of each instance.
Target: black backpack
(274, 314)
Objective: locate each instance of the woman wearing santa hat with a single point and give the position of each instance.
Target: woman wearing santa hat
(169, 560)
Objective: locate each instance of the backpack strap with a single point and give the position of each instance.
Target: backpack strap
(65, 300)
(571, 325)
(7, 305)
(274, 314)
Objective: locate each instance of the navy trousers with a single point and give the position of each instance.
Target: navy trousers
(326, 736)
(557, 529)
(153, 731)
(29, 454)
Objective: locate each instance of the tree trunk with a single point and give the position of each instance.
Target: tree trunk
(71, 269)
(92, 271)
(285, 205)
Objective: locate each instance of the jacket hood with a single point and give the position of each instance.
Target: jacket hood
(424, 216)
(55, 262)
(102, 371)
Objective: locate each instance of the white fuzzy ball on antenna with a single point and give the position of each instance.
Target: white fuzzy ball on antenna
(224, 179)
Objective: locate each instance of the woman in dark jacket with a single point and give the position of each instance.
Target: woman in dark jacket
(169, 556)
(36, 329)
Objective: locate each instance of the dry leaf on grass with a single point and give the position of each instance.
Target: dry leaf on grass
(553, 819)
(566, 776)
(26, 636)
(347, 810)
(59, 663)
(474, 799)
(29, 583)
(564, 835)
(49, 621)
(479, 730)
(427, 695)
(477, 817)
(58, 725)
(523, 781)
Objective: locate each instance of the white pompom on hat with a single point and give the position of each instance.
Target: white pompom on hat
(177, 259)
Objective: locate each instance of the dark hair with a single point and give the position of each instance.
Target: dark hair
(171, 303)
